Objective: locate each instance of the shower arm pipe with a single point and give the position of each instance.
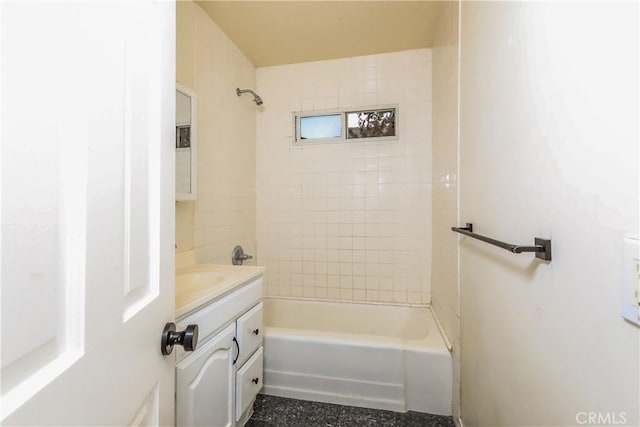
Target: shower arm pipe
(542, 247)
(256, 98)
(241, 91)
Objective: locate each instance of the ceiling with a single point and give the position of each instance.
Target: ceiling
(286, 32)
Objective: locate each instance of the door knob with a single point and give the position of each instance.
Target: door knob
(187, 338)
(256, 331)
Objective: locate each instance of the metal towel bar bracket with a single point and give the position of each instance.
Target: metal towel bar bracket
(542, 247)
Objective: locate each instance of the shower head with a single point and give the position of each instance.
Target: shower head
(256, 97)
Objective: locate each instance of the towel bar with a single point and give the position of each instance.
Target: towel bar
(542, 247)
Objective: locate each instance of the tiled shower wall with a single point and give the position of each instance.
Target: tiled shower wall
(444, 275)
(346, 221)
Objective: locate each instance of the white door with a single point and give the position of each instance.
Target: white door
(87, 192)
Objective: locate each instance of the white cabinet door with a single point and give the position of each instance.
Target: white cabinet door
(205, 383)
(87, 158)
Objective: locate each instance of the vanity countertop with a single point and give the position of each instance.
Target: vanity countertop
(199, 284)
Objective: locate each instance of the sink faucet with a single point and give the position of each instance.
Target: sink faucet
(238, 256)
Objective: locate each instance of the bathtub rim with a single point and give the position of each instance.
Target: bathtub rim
(414, 344)
(344, 301)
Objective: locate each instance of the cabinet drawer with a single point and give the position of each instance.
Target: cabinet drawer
(248, 382)
(249, 332)
(219, 313)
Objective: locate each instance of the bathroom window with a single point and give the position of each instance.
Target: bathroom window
(325, 127)
(349, 125)
(371, 123)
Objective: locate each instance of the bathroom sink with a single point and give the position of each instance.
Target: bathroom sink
(198, 284)
(190, 281)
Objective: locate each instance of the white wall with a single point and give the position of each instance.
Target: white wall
(549, 148)
(444, 274)
(346, 221)
(224, 213)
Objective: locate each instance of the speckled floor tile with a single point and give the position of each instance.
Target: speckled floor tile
(281, 412)
(271, 411)
(418, 419)
(365, 417)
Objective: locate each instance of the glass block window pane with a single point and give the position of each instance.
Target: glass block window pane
(371, 124)
(321, 127)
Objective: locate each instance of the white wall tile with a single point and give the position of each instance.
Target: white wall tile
(444, 190)
(347, 203)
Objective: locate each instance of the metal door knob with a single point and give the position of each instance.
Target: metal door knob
(187, 338)
(256, 380)
(256, 331)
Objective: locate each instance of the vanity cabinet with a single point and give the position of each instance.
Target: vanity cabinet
(216, 384)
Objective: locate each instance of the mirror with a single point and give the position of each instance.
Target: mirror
(185, 144)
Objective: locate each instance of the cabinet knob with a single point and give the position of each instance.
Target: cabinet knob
(256, 331)
(256, 380)
(187, 338)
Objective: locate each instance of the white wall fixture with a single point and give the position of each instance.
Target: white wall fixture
(631, 281)
(186, 148)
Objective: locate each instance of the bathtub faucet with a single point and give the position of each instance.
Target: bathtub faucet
(238, 256)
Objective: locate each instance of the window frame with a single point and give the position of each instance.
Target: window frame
(343, 112)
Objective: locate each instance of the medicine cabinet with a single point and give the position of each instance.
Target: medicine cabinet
(186, 132)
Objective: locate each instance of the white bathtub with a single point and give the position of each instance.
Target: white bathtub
(374, 356)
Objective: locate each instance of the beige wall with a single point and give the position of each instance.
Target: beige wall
(444, 273)
(549, 148)
(224, 213)
(347, 221)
